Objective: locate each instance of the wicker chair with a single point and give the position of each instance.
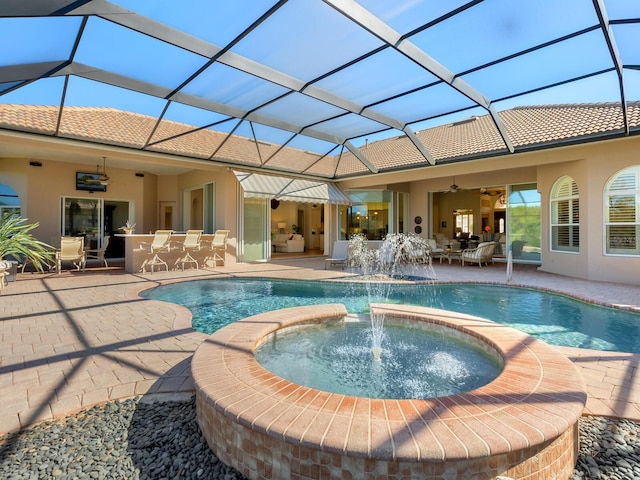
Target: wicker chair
(483, 253)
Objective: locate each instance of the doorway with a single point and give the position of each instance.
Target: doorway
(94, 219)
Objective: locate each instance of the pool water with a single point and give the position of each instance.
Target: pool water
(415, 362)
(553, 318)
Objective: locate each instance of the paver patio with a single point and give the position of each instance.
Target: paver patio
(71, 340)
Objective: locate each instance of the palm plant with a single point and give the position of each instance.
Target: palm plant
(17, 241)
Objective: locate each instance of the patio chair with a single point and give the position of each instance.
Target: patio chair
(71, 250)
(161, 243)
(339, 254)
(4, 272)
(219, 246)
(191, 244)
(483, 253)
(436, 251)
(98, 253)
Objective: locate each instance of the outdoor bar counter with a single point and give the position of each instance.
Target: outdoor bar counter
(136, 256)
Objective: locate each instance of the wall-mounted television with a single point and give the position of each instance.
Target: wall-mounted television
(89, 182)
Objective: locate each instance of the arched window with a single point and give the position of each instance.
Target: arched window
(622, 212)
(565, 216)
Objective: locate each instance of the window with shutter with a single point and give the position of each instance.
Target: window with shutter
(622, 213)
(565, 216)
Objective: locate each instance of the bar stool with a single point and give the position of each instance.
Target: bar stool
(161, 243)
(191, 244)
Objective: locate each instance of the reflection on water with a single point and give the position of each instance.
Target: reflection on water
(556, 319)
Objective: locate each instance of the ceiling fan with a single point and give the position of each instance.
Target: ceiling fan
(453, 188)
(493, 193)
(104, 178)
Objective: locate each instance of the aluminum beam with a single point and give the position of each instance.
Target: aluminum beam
(358, 154)
(423, 150)
(27, 71)
(364, 18)
(139, 23)
(603, 17)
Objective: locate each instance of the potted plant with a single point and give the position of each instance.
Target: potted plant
(17, 242)
(486, 236)
(128, 228)
(296, 229)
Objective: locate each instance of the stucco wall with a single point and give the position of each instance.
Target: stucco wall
(41, 188)
(591, 166)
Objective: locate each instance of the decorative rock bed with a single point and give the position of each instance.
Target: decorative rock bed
(523, 424)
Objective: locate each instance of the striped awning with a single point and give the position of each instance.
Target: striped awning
(258, 185)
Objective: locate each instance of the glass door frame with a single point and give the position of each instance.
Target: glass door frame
(93, 229)
(83, 217)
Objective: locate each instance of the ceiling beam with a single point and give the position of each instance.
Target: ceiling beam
(358, 14)
(36, 8)
(147, 26)
(358, 154)
(28, 71)
(605, 26)
(419, 145)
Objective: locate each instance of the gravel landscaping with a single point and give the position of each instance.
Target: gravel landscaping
(134, 439)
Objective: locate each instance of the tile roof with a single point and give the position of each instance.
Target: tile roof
(528, 127)
(532, 126)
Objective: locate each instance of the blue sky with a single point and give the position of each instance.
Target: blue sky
(306, 38)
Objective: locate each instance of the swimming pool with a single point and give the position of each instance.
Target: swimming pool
(553, 318)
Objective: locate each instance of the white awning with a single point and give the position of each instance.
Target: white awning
(290, 189)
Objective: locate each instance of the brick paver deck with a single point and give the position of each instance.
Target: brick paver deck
(71, 340)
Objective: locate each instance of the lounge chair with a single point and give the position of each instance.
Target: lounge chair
(71, 250)
(161, 243)
(191, 244)
(339, 254)
(219, 246)
(483, 253)
(98, 253)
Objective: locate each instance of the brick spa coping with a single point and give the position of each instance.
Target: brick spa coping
(527, 411)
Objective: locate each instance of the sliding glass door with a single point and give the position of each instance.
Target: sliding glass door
(524, 222)
(93, 218)
(83, 217)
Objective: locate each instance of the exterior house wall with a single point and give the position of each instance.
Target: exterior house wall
(41, 188)
(600, 162)
(606, 160)
(226, 204)
(591, 165)
(419, 207)
(575, 264)
(147, 211)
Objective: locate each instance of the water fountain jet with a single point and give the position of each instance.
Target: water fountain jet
(398, 253)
